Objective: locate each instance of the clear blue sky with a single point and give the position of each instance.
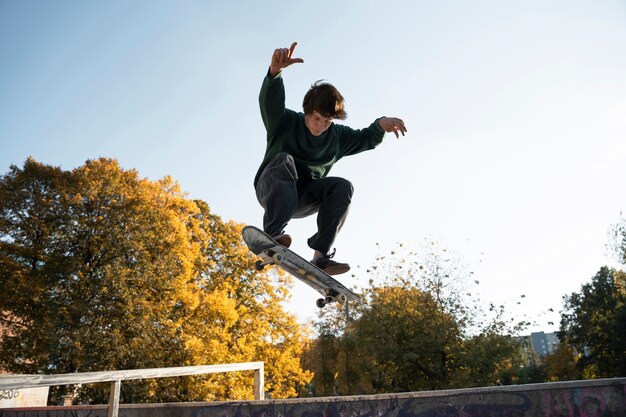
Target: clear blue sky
(516, 151)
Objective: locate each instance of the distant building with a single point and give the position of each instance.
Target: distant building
(543, 343)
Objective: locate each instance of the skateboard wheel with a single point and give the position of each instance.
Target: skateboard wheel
(320, 303)
(278, 258)
(342, 298)
(258, 265)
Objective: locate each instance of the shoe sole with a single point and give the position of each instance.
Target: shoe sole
(284, 241)
(337, 269)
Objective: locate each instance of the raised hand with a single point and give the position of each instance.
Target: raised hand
(392, 124)
(282, 58)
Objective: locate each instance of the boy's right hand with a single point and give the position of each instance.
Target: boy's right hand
(282, 58)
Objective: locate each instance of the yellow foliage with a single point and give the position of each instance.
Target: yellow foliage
(137, 275)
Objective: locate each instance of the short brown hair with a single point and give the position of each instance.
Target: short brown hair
(325, 99)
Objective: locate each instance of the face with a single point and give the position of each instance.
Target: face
(316, 123)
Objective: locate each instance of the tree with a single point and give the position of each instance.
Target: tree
(104, 270)
(594, 324)
(617, 240)
(560, 365)
(252, 322)
(334, 356)
(413, 345)
(419, 327)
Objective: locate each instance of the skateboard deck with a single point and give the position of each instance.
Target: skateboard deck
(272, 253)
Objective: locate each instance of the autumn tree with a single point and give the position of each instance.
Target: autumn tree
(420, 327)
(253, 322)
(560, 365)
(334, 356)
(324, 355)
(594, 324)
(101, 269)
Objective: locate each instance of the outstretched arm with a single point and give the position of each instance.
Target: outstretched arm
(392, 124)
(282, 58)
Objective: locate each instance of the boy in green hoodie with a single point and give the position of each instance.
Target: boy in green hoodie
(292, 180)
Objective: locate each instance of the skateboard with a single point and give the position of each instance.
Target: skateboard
(272, 253)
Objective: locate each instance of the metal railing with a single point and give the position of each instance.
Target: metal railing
(9, 382)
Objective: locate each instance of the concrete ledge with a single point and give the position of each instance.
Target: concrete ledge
(591, 398)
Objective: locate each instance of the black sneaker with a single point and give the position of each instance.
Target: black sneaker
(326, 264)
(283, 239)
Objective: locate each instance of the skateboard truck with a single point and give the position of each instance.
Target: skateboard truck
(331, 295)
(270, 258)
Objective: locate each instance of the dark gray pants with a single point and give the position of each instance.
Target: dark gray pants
(284, 196)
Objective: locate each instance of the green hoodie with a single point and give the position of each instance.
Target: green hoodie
(314, 155)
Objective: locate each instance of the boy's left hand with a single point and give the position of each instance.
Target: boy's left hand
(392, 124)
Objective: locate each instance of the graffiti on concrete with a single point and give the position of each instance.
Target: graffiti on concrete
(9, 394)
(493, 405)
(589, 401)
(578, 402)
(582, 402)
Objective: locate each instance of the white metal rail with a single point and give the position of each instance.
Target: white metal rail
(8, 382)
